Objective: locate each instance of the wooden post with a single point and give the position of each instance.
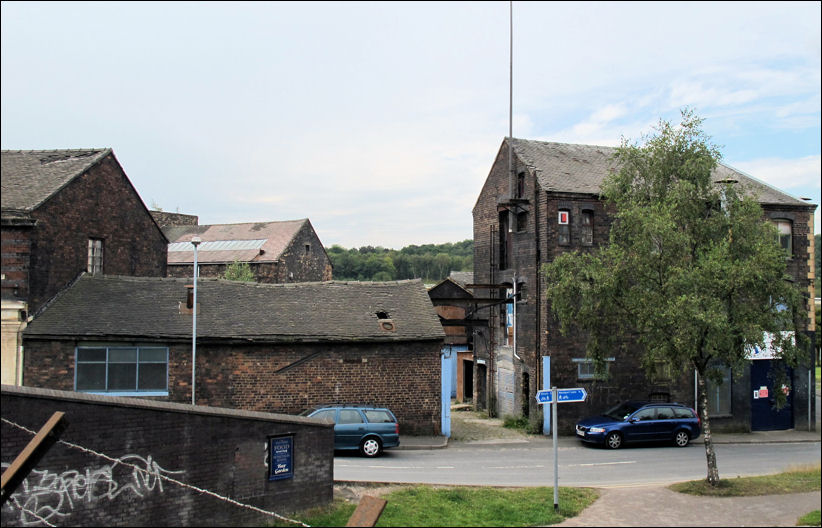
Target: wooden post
(17, 472)
(368, 512)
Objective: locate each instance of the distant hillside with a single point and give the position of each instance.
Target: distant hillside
(429, 262)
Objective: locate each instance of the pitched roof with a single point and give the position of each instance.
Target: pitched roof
(101, 307)
(572, 168)
(30, 177)
(250, 242)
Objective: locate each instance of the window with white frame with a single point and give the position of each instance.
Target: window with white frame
(95, 256)
(784, 235)
(121, 369)
(586, 370)
(564, 227)
(587, 229)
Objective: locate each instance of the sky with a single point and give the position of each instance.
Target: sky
(379, 121)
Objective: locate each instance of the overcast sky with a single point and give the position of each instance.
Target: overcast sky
(380, 121)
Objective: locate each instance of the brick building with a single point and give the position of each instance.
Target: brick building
(260, 347)
(546, 202)
(65, 212)
(276, 252)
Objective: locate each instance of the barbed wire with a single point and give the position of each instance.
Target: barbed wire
(164, 477)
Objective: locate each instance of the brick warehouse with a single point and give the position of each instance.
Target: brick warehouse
(547, 202)
(65, 212)
(276, 252)
(260, 347)
(180, 450)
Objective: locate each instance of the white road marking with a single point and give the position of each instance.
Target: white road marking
(604, 463)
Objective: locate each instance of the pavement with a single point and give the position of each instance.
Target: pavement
(653, 505)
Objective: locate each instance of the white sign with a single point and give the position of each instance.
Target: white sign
(767, 351)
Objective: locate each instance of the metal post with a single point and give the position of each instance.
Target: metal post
(810, 395)
(555, 403)
(195, 242)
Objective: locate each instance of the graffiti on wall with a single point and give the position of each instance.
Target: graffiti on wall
(46, 496)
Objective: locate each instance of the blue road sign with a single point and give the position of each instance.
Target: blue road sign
(563, 395)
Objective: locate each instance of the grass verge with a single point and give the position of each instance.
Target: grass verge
(795, 480)
(424, 505)
(811, 519)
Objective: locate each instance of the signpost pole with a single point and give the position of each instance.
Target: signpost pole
(556, 464)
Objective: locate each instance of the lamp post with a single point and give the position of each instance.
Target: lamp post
(195, 241)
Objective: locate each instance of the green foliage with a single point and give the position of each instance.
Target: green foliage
(429, 262)
(239, 271)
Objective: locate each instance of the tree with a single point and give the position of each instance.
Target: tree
(692, 275)
(239, 271)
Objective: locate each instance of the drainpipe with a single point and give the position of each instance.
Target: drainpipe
(195, 242)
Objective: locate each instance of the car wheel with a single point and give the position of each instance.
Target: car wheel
(681, 438)
(613, 440)
(370, 447)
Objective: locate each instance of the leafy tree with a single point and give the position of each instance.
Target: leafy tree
(692, 275)
(239, 271)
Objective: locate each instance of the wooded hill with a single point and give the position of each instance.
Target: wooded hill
(429, 262)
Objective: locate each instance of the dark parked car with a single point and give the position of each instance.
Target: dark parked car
(637, 421)
(367, 429)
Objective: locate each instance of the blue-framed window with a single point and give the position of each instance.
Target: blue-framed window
(122, 370)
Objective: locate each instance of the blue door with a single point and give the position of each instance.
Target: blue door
(763, 416)
(445, 398)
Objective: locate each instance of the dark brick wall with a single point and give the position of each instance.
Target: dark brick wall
(16, 255)
(264, 272)
(218, 450)
(404, 377)
(98, 204)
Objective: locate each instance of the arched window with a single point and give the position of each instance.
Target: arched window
(587, 230)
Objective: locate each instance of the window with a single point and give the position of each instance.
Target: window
(586, 370)
(645, 414)
(350, 416)
(564, 227)
(520, 185)
(587, 232)
(95, 256)
(122, 370)
(664, 413)
(719, 394)
(307, 249)
(522, 222)
(326, 415)
(784, 235)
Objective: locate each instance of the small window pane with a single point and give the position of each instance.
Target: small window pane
(152, 376)
(664, 413)
(91, 354)
(91, 377)
(121, 355)
(153, 354)
(122, 377)
(679, 412)
(350, 416)
(587, 232)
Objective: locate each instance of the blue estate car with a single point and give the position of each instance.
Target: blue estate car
(363, 428)
(637, 421)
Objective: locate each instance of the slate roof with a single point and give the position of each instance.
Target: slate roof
(99, 307)
(225, 243)
(30, 177)
(572, 168)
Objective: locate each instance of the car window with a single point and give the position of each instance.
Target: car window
(350, 416)
(645, 414)
(621, 411)
(378, 417)
(326, 415)
(681, 412)
(664, 413)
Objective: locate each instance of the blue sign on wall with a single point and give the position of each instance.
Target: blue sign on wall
(280, 457)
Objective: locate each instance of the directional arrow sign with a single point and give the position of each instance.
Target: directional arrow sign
(563, 395)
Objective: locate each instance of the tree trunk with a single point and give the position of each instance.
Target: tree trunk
(710, 455)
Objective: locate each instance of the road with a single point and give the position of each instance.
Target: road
(531, 464)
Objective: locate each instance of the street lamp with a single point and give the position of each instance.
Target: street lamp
(195, 241)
